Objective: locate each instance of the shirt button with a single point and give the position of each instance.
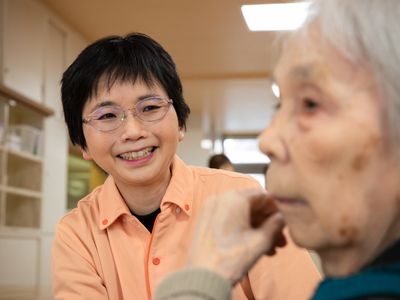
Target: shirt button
(187, 207)
(156, 261)
(105, 222)
(178, 210)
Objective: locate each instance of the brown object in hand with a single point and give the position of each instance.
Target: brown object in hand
(259, 212)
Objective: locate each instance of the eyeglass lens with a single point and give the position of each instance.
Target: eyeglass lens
(110, 117)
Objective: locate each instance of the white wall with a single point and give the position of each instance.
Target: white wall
(24, 269)
(189, 149)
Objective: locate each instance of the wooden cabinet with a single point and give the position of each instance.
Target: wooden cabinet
(24, 36)
(21, 160)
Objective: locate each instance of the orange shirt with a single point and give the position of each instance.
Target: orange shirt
(101, 251)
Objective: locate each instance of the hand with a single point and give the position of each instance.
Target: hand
(233, 231)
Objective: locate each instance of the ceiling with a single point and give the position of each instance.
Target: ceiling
(224, 67)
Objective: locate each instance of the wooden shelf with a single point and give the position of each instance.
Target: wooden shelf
(21, 191)
(21, 172)
(23, 154)
(21, 99)
(19, 232)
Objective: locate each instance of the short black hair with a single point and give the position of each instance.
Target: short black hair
(133, 57)
(217, 160)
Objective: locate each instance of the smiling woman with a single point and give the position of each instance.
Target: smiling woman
(124, 107)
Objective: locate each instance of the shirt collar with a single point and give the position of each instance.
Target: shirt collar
(111, 204)
(179, 192)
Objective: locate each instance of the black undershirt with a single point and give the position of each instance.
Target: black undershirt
(148, 220)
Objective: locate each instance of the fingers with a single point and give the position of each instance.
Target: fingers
(272, 229)
(268, 234)
(258, 242)
(264, 213)
(279, 242)
(234, 230)
(261, 208)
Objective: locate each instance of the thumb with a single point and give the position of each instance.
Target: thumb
(265, 235)
(272, 224)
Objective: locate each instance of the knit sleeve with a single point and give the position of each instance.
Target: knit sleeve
(193, 284)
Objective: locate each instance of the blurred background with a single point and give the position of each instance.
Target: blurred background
(226, 73)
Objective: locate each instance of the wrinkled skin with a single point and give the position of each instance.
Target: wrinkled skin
(234, 230)
(333, 171)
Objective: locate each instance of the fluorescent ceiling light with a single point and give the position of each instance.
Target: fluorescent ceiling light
(274, 17)
(275, 90)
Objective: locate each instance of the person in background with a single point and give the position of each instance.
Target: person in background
(334, 174)
(220, 161)
(124, 107)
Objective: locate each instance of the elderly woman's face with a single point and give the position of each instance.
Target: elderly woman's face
(331, 169)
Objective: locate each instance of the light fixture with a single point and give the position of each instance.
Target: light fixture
(275, 90)
(206, 144)
(274, 17)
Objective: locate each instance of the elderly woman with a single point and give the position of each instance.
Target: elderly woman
(335, 164)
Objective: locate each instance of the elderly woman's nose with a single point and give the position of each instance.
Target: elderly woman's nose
(271, 141)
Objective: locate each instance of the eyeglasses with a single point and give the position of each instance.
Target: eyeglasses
(110, 117)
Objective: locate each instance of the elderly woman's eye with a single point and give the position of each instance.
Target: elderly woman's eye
(309, 104)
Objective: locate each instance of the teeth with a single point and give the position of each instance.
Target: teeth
(137, 155)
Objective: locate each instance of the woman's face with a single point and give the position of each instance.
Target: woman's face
(136, 153)
(334, 176)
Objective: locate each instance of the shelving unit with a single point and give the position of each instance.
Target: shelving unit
(36, 46)
(21, 171)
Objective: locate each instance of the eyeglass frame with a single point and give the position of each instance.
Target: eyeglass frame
(88, 120)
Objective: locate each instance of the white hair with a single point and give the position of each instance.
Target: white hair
(367, 32)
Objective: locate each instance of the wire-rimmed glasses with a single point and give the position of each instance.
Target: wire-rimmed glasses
(110, 116)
